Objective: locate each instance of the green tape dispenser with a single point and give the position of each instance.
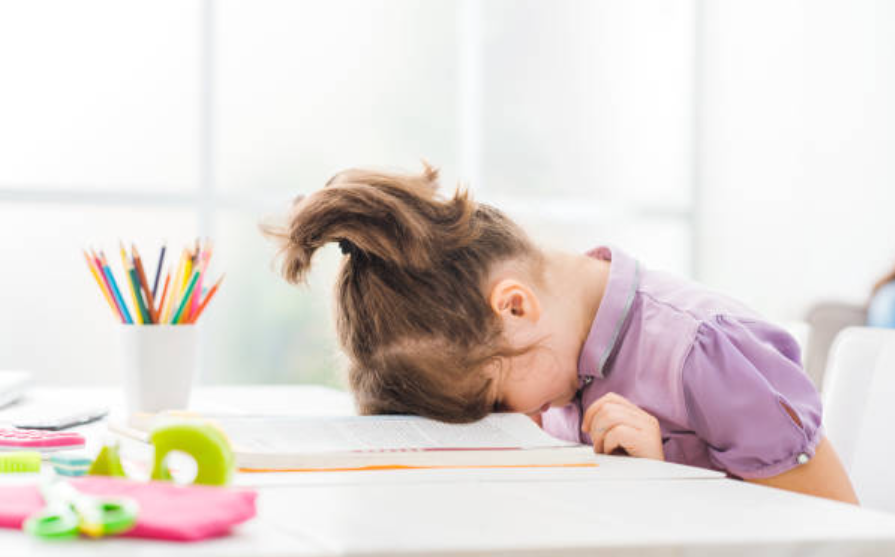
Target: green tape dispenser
(205, 443)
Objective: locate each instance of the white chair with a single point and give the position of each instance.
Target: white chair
(825, 320)
(859, 411)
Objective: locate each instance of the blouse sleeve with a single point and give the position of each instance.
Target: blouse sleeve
(749, 399)
(564, 423)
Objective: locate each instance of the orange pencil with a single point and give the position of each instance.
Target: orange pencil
(161, 300)
(138, 265)
(206, 300)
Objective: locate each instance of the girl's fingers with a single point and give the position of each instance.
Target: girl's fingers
(623, 437)
(611, 415)
(614, 422)
(600, 403)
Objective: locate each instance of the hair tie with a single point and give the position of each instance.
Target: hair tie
(347, 247)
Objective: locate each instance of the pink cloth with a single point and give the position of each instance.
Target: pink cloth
(16, 503)
(167, 511)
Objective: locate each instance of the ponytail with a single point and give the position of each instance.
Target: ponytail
(397, 220)
(412, 311)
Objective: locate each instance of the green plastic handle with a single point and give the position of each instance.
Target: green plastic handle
(69, 512)
(202, 441)
(106, 516)
(53, 524)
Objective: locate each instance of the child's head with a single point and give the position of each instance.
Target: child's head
(417, 314)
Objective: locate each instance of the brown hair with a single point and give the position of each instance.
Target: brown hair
(412, 312)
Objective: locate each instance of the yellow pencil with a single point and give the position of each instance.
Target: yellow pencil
(166, 300)
(127, 274)
(175, 286)
(102, 285)
(188, 270)
(187, 273)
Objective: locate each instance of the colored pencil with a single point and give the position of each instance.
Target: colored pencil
(166, 302)
(102, 274)
(111, 278)
(102, 285)
(197, 295)
(175, 288)
(189, 265)
(186, 297)
(138, 315)
(135, 288)
(207, 299)
(183, 297)
(188, 269)
(158, 271)
(138, 266)
(161, 300)
(112, 288)
(201, 262)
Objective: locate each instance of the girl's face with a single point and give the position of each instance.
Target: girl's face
(535, 381)
(546, 375)
(554, 315)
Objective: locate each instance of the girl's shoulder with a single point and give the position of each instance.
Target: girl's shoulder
(665, 291)
(674, 317)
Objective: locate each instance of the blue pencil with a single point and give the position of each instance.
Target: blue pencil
(158, 271)
(111, 278)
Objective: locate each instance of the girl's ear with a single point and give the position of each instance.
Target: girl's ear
(511, 299)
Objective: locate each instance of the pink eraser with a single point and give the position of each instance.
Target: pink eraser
(14, 438)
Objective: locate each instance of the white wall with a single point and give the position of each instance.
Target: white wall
(797, 172)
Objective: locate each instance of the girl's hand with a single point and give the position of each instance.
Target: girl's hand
(615, 423)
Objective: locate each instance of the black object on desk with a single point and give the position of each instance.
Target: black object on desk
(63, 421)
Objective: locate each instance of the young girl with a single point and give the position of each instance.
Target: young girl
(446, 309)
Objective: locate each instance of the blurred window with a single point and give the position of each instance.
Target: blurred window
(174, 119)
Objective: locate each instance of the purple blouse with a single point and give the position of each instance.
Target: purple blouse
(727, 387)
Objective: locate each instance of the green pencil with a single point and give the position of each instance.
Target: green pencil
(141, 306)
(186, 297)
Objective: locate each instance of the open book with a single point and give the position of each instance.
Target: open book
(306, 443)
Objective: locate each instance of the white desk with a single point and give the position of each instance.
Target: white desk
(632, 507)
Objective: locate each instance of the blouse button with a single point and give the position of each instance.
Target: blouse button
(588, 379)
(802, 458)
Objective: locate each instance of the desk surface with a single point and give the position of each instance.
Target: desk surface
(502, 512)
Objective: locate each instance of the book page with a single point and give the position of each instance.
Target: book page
(272, 434)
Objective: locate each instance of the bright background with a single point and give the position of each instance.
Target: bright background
(745, 144)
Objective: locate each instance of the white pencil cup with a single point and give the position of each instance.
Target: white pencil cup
(160, 366)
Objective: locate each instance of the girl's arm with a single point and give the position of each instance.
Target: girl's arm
(822, 476)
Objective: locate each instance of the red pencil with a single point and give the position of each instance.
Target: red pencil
(204, 303)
